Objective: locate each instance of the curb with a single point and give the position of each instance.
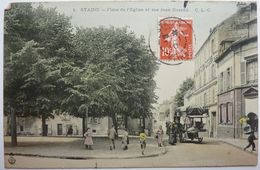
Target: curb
(89, 157)
(238, 147)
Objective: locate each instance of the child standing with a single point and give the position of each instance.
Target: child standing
(159, 134)
(124, 139)
(112, 135)
(142, 141)
(88, 139)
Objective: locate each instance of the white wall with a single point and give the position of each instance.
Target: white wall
(251, 105)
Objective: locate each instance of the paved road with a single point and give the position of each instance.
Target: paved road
(211, 153)
(73, 148)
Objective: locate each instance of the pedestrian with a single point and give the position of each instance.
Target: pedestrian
(179, 130)
(112, 135)
(88, 139)
(173, 133)
(251, 142)
(142, 141)
(125, 139)
(70, 131)
(159, 136)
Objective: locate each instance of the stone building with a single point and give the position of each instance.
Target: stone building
(238, 79)
(164, 112)
(59, 125)
(204, 93)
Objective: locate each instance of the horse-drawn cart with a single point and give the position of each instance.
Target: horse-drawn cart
(193, 120)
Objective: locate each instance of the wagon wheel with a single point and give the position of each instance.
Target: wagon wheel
(183, 138)
(200, 139)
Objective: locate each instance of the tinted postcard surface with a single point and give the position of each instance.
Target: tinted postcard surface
(127, 84)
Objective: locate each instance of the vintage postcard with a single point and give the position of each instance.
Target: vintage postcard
(130, 84)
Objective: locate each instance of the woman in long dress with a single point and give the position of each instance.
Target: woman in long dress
(160, 136)
(88, 139)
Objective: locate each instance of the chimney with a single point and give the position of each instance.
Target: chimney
(241, 4)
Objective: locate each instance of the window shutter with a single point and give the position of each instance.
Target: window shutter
(243, 72)
(231, 78)
(219, 83)
(255, 71)
(224, 80)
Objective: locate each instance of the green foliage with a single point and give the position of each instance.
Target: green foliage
(121, 61)
(101, 71)
(37, 42)
(184, 87)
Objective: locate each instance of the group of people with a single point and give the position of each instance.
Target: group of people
(125, 139)
(174, 130)
(111, 135)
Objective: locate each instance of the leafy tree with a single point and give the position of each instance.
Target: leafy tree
(37, 43)
(123, 63)
(18, 22)
(184, 87)
(93, 72)
(54, 37)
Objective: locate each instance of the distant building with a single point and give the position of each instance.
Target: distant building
(60, 124)
(238, 79)
(164, 112)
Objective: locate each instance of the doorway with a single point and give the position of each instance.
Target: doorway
(213, 125)
(59, 128)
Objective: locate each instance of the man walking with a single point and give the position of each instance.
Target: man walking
(251, 142)
(111, 135)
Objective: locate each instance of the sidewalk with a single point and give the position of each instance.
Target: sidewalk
(73, 148)
(238, 143)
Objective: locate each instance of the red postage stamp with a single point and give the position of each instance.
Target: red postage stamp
(175, 39)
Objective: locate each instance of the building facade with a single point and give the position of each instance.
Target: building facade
(205, 91)
(59, 125)
(164, 113)
(238, 80)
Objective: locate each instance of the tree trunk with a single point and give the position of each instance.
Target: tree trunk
(44, 130)
(13, 128)
(126, 121)
(143, 122)
(83, 126)
(9, 125)
(114, 122)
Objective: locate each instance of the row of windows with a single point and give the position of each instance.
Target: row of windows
(202, 78)
(208, 50)
(226, 114)
(207, 98)
(225, 80)
(249, 74)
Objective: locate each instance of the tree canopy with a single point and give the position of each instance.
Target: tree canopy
(184, 87)
(51, 69)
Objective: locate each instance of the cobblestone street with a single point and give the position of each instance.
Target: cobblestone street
(209, 153)
(62, 147)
